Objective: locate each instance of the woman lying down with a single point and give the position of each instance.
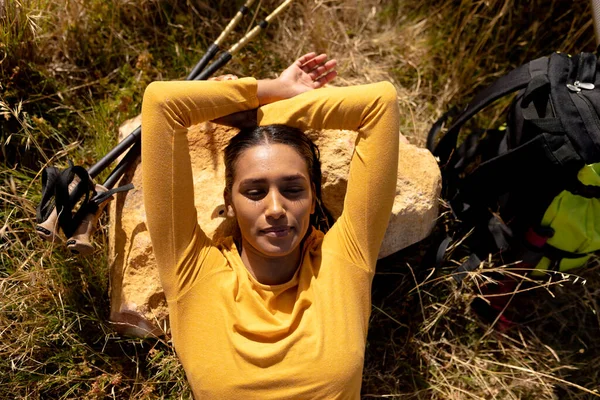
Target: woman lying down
(281, 309)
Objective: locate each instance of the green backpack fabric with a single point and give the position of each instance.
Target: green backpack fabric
(575, 221)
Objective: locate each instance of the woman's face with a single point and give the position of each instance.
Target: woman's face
(272, 198)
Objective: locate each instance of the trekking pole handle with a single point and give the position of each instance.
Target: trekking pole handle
(79, 243)
(48, 229)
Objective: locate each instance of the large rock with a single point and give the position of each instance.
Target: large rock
(138, 306)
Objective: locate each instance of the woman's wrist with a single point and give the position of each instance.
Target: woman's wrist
(270, 91)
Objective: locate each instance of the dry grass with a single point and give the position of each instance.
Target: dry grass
(72, 71)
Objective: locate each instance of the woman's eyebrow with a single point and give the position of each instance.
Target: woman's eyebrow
(293, 177)
(288, 178)
(252, 181)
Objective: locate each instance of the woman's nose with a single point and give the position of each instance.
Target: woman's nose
(275, 207)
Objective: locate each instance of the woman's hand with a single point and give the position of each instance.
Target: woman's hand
(311, 71)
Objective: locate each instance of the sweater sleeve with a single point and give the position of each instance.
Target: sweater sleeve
(168, 109)
(372, 110)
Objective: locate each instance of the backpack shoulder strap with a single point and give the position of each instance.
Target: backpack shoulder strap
(515, 80)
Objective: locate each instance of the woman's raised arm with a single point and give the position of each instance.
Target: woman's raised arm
(168, 109)
(372, 110)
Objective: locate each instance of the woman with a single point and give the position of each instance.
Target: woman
(282, 311)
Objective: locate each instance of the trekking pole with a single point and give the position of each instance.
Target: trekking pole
(193, 75)
(214, 47)
(80, 244)
(200, 74)
(227, 55)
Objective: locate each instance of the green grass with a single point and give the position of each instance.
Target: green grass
(72, 72)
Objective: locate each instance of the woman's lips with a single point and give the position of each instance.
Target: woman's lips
(277, 231)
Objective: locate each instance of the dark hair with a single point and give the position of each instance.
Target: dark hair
(280, 134)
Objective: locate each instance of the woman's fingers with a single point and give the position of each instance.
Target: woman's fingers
(305, 58)
(315, 65)
(318, 68)
(227, 77)
(325, 79)
(322, 69)
(313, 62)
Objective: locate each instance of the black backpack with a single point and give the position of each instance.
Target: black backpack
(502, 183)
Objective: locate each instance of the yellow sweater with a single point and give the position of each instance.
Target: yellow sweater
(238, 338)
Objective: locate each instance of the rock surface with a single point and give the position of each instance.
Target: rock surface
(138, 306)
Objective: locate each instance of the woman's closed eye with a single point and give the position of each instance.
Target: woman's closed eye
(289, 192)
(294, 191)
(255, 194)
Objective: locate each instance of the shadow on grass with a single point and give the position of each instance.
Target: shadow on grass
(426, 340)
